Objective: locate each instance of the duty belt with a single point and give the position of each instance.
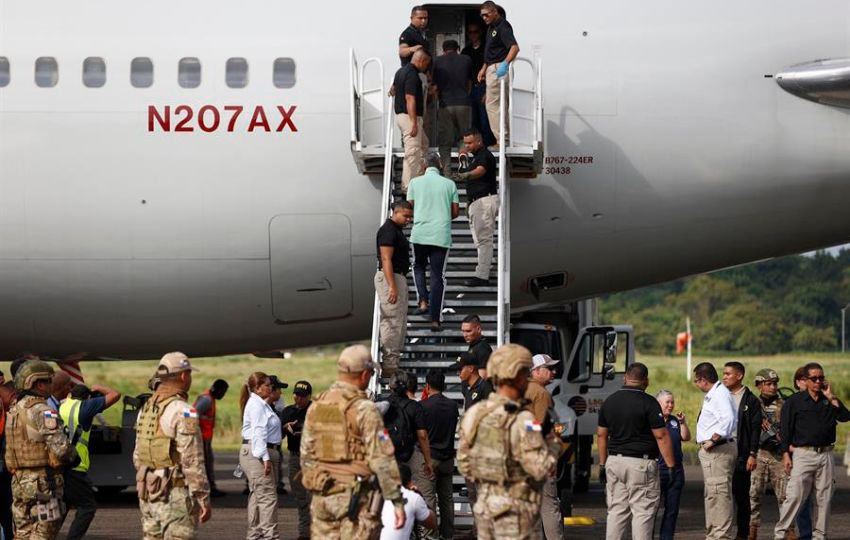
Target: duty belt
(642, 456)
(819, 449)
(473, 199)
(270, 446)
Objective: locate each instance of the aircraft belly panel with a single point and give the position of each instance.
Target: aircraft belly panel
(310, 267)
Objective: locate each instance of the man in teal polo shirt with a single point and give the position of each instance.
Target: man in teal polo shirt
(435, 204)
(78, 412)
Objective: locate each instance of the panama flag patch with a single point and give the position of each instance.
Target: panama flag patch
(533, 425)
(51, 414)
(383, 435)
(190, 413)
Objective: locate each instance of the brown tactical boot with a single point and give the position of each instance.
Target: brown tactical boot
(791, 534)
(754, 532)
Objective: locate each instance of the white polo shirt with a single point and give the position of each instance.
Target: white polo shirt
(717, 415)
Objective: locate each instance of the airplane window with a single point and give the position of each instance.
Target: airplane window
(141, 72)
(284, 72)
(4, 71)
(46, 72)
(236, 72)
(189, 73)
(94, 72)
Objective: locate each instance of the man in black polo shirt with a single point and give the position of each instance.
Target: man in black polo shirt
(479, 173)
(630, 435)
(391, 283)
(409, 104)
(413, 37)
(453, 76)
(808, 421)
(292, 420)
(441, 418)
(470, 328)
(475, 50)
(473, 387)
(500, 50)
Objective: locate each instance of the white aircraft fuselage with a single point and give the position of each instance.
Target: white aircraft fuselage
(669, 152)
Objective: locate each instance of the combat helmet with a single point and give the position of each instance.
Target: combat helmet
(766, 374)
(507, 361)
(31, 372)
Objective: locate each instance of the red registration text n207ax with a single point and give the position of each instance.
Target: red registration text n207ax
(230, 118)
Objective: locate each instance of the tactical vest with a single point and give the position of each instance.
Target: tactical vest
(207, 419)
(153, 446)
(339, 440)
(70, 413)
(25, 446)
(490, 445)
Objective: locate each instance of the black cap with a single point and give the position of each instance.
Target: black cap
(465, 359)
(277, 384)
(303, 388)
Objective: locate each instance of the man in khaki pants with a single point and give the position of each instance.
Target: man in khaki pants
(409, 104)
(718, 452)
(808, 436)
(500, 50)
(391, 284)
(479, 173)
(630, 436)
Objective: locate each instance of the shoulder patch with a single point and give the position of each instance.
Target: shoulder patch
(533, 425)
(51, 419)
(190, 412)
(383, 435)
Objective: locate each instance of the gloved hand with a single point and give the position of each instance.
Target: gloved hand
(502, 69)
(460, 177)
(603, 476)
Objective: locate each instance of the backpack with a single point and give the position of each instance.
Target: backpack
(399, 426)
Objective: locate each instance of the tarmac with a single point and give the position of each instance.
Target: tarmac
(118, 514)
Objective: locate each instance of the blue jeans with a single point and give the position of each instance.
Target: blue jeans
(804, 521)
(435, 256)
(479, 114)
(671, 497)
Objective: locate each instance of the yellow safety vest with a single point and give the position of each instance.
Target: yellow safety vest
(70, 413)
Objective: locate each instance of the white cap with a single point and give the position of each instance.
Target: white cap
(542, 360)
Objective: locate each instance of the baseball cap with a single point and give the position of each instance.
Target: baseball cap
(174, 362)
(766, 374)
(355, 359)
(542, 360)
(465, 359)
(277, 384)
(303, 388)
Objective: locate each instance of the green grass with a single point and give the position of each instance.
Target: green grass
(669, 373)
(316, 365)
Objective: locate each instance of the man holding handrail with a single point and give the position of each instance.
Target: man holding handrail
(500, 50)
(482, 187)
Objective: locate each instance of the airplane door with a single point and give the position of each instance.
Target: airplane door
(310, 258)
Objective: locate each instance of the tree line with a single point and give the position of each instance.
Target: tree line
(787, 304)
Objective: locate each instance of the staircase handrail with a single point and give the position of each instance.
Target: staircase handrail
(386, 200)
(536, 92)
(503, 265)
(353, 82)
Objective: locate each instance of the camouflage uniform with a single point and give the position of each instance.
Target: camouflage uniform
(769, 467)
(169, 459)
(502, 449)
(344, 439)
(36, 450)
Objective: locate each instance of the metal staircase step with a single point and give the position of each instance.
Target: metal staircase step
(436, 347)
(463, 303)
(446, 333)
(453, 317)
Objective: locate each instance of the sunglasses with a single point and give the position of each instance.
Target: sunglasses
(817, 379)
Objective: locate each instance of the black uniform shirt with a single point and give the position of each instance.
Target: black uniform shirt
(477, 56)
(480, 391)
(630, 416)
(452, 75)
(481, 350)
(500, 39)
(407, 82)
(289, 414)
(441, 417)
(487, 184)
(391, 235)
(413, 37)
(806, 422)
